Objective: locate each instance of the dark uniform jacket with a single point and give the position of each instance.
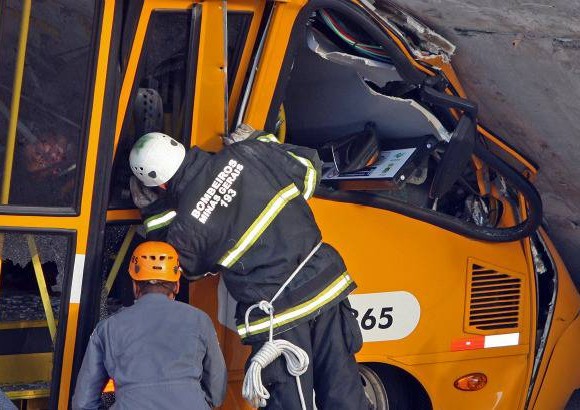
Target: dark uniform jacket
(243, 212)
(162, 354)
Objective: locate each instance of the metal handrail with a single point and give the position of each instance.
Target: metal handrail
(119, 259)
(15, 104)
(38, 272)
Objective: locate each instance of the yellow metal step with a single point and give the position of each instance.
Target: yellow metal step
(27, 394)
(22, 324)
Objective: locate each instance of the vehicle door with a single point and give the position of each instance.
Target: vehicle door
(176, 78)
(53, 112)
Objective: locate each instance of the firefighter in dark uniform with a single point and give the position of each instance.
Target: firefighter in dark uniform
(243, 212)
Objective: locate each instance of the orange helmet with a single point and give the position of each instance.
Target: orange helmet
(154, 261)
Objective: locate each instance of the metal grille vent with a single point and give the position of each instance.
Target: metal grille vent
(495, 299)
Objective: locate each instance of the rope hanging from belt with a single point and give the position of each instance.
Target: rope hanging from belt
(297, 360)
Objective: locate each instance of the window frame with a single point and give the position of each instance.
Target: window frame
(69, 262)
(75, 208)
(191, 62)
(124, 213)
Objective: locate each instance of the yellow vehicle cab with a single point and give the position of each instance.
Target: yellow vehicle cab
(462, 299)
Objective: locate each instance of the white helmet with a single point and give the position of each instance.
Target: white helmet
(155, 158)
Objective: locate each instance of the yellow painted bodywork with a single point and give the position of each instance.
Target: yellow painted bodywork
(26, 368)
(389, 252)
(558, 375)
(384, 251)
(562, 375)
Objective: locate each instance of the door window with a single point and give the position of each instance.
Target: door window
(34, 271)
(238, 27)
(160, 100)
(162, 96)
(117, 291)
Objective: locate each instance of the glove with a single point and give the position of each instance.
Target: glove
(241, 133)
(142, 195)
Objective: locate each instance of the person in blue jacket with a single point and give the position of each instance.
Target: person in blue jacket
(161, 353)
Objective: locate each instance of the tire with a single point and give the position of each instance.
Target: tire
(374, 388)
(390, 388)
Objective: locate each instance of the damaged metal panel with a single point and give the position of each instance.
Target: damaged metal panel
(422, 40)
(378, 73)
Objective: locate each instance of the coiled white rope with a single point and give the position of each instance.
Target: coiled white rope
(297, 360)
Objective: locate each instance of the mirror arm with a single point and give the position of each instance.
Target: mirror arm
(432, 96)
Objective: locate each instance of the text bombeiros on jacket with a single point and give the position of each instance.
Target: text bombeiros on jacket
(220, 192)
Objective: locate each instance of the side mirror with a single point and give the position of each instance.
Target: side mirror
(461, 144)
(456, 157)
